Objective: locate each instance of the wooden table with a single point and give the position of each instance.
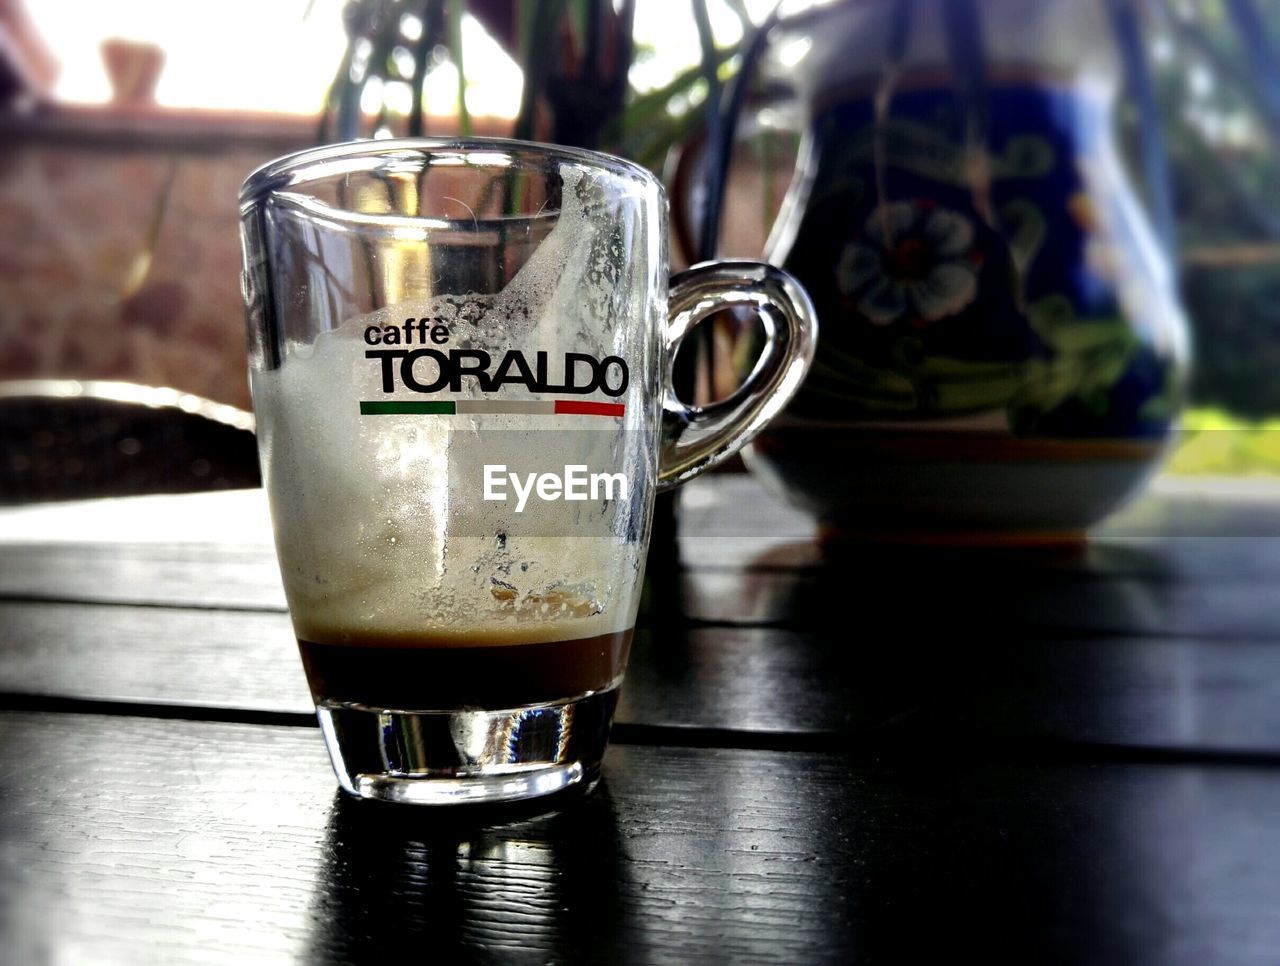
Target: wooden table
(871, 756)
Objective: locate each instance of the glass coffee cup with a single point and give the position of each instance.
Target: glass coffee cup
(460, 355)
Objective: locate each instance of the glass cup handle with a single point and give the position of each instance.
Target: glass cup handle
(695, 438)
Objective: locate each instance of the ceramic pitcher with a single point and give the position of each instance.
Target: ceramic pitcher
(1002, 351)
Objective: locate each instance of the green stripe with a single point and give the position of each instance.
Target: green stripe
(380, 408)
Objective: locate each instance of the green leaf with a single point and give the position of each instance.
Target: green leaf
(455, 10)
(653, 105)
(538, 41)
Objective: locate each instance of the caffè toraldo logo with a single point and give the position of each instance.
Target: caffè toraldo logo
(416, 356)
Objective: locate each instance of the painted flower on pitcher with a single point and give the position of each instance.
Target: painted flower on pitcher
(914, 262)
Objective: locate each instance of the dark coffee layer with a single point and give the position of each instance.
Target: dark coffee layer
(422, 674)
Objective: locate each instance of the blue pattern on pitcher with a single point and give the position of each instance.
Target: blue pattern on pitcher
(952, 281)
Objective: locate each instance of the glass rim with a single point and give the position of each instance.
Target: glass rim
(293, 169)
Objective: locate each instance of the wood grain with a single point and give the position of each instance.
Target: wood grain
(157, 574)
(1215, 529)
(1215, 696)
(227, 659)
(899, 593)
(927, 599)
(1174, 551)
(124, 840)
(1041, 758)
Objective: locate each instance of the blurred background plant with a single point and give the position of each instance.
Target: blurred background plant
(1218, 82)
(1218, 75)
(577, 58)
(634, 77)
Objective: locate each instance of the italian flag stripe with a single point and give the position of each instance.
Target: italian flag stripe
(567, 407)
(388, 407)
(495, 406)
(558, 407)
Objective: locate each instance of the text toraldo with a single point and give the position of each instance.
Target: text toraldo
(428, 369)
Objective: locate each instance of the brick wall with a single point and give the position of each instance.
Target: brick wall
(80, 197)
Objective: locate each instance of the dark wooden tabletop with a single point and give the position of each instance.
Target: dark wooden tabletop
(840, 754)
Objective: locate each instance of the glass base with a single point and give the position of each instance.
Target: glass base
(467, 756)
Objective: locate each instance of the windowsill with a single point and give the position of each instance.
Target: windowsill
(110, 126)
(193, 129)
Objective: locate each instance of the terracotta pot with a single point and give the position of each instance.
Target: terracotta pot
(134, 68)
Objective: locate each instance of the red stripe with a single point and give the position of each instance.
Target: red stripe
(566, 407)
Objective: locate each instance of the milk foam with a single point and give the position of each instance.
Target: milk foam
(380, 522)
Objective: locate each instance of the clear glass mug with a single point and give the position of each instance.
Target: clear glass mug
(460, 355)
